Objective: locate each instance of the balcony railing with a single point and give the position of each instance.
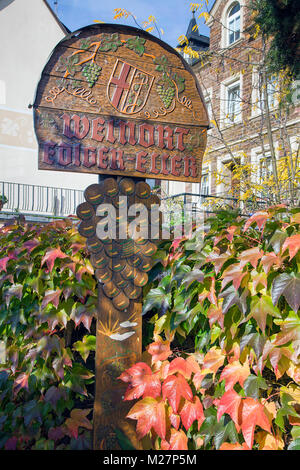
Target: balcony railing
(51, 202)
(36, 200)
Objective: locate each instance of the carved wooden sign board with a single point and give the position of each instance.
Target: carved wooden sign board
(116, 100)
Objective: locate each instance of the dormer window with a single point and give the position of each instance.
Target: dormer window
(234, 23)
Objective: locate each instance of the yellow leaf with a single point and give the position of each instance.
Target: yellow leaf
(270, 410)
(267, 441)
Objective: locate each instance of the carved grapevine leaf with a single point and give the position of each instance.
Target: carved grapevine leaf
(136, 44)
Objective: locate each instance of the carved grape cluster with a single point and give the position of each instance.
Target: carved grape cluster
(91, 72)
(166, 92)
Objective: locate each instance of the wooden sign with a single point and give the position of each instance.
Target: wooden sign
(116, 100)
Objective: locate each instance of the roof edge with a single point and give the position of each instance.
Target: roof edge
(64, 29)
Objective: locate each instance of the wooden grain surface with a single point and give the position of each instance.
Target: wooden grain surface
(108, 73)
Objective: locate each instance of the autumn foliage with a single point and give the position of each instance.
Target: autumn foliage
(223, 369)
(47, 309)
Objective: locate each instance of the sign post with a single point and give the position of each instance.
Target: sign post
(116, 101)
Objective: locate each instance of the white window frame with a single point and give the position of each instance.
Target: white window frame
(226, 85)
(196, 187)
(205, 172)
(176, 187)
(208, 103)
(2, 92)
(257, 104)
(232, 20)
(257, 155)
(296, 92)
(224, 22)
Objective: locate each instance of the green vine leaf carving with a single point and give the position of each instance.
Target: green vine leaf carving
(110, 43)
(136, 44)
(85, 44)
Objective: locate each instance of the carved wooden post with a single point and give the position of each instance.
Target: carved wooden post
(121, 266)
(117, 101)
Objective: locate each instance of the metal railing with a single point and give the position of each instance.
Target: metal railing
(200, 202)
(31, 199)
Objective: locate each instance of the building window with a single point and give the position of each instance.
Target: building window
(233, 101)
(295, 91)
(234, 23)
(2, 92)
(265, 168)
(259, 92)
(204, 189)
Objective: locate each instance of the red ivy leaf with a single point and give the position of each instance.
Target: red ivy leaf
(259, 217)
(233, 273)
(178, 441)
(174, 388)
(235, 446)
(30, 245)
(3, 263)
(142, 382)
(83, 314)
(269, 259)
(174, 418)
(230, 403)
(218, 259)
(191, 412)
(150, 414)
(231, 230)
(78, 419)
(179, 364)
(251, 256)
(51, 256)
(20, 382)
(233, 373)
(215, 315)
(292, 244)
(52, 296)
(159, 350)
(253, 414)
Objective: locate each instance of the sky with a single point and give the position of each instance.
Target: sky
(172, 16)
